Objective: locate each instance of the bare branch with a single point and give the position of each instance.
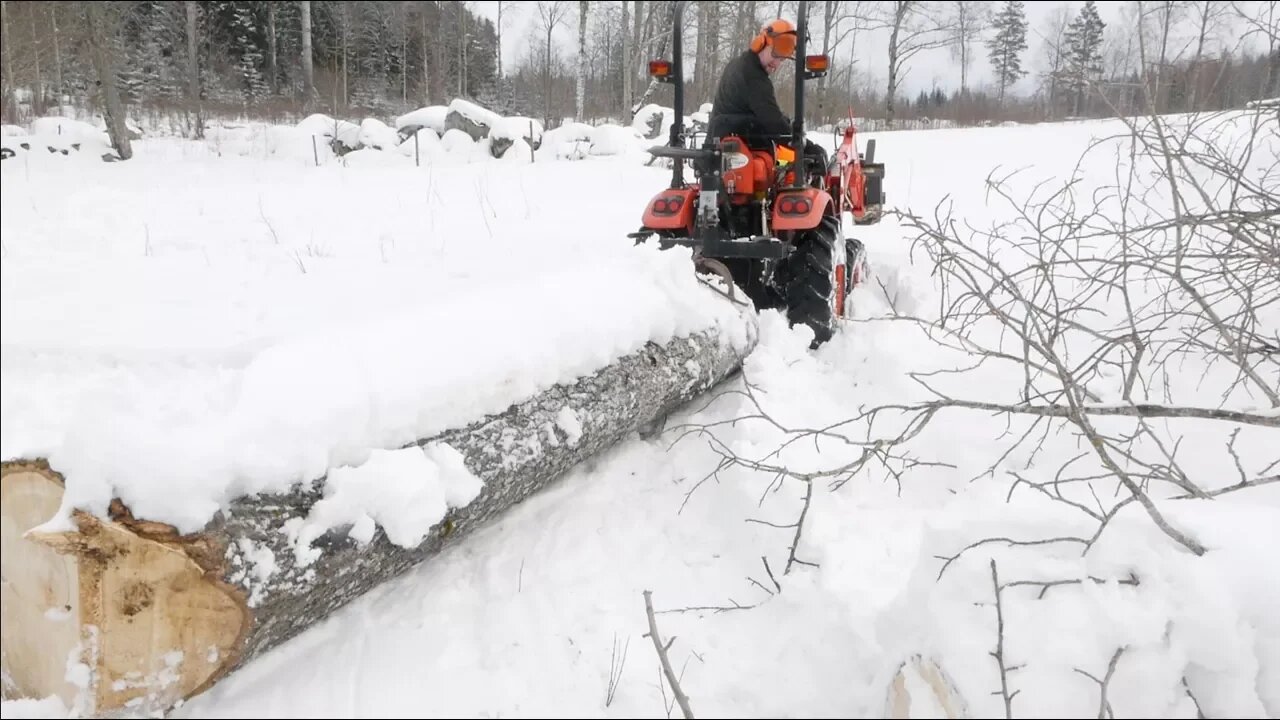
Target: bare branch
(1007, 541)
(769, 570)
(1045, 585)
(681, 698)
(1104, 705)
(998, 653)
(616, 667)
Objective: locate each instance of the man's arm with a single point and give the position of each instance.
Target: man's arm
(764, 105)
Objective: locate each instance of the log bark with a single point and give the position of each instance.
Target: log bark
(154, 617)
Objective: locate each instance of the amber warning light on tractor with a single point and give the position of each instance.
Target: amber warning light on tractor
(817, 63)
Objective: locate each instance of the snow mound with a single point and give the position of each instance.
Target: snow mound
(377, 135)
(342, 132)
(432, 117)
(616, 140)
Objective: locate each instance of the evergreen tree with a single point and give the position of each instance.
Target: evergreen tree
(1084, 52)
(250, 43)
(1007, 45)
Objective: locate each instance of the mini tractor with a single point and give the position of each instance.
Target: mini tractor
(768, 213)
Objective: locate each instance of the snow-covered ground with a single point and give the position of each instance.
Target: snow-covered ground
(184, 327)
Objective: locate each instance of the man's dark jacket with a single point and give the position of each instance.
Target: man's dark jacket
(745, 102)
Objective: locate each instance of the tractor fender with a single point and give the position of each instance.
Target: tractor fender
(671, 209)
(800, 209)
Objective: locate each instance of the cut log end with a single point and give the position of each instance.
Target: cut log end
(40, 590)
(103, 617)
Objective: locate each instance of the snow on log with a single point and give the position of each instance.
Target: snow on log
(121, 613)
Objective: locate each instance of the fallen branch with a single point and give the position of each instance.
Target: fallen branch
(1270, 418)
(998, 654)
(662, 656)
(1045, 585)
(1104, 705)
(709, 608)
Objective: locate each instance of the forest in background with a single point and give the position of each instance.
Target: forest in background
(279, 61)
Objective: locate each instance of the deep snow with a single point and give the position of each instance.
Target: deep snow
(184, 326)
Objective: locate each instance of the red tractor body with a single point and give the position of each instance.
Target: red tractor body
(769, 214)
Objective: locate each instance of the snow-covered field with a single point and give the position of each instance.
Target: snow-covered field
(187, 326)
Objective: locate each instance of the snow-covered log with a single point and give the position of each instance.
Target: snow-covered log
(119, 612)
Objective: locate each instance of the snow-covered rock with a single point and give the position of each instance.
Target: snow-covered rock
(471, 118)
(432, 116)
(342, 135)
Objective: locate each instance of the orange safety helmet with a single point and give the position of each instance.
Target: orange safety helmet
(780, 34)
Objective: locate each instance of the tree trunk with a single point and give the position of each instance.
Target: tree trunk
(893, 75)
(546, 81)
(37, 99)
(713, 56)
(273, 76)
(1273, 73)
(10, 97)
(498, 35)
(404, 55)
(581, 90)
(462, 54)
(638, 69)
(628, 70)
(426, 58)
(700, 69)
(828, 24)
(102, 31)
(158, 617)
(308, 69)
(57, 53)
(193, 67)
(346, 33)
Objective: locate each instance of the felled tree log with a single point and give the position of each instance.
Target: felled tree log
(154, 617)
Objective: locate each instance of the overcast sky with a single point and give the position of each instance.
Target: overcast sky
(925, 71)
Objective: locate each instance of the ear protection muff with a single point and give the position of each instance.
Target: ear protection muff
(766, 36)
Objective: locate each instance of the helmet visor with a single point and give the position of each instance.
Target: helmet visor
(784, 44)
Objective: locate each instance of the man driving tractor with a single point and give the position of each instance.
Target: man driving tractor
(777, 229)
(745, 103)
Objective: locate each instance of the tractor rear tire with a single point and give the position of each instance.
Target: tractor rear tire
(811, 280)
